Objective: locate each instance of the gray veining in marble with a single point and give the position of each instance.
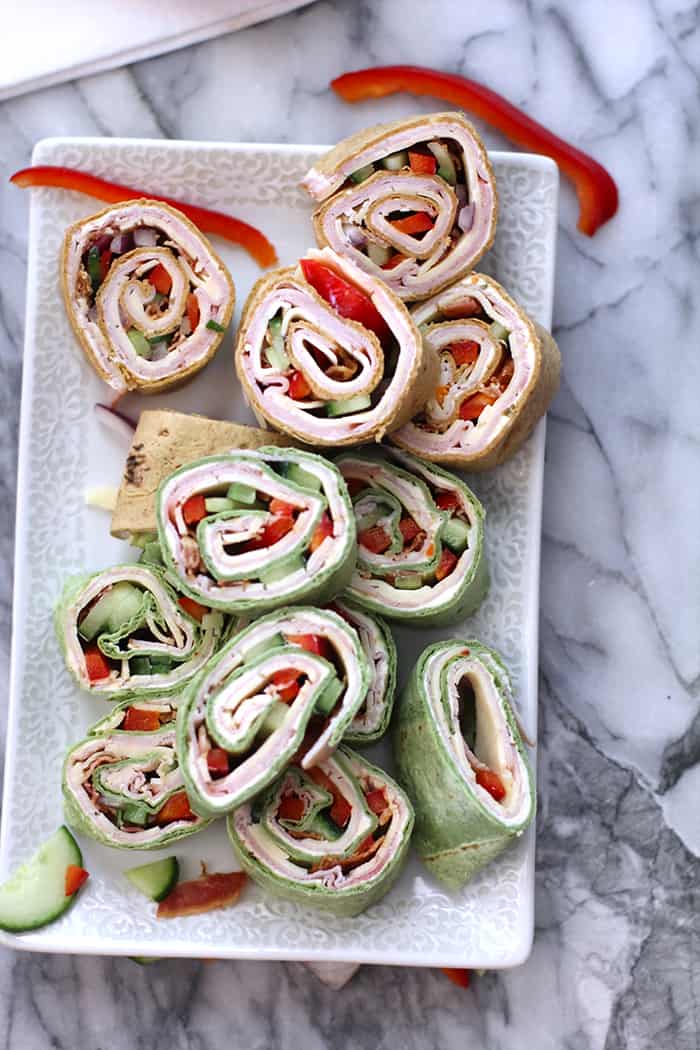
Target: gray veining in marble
(616, 957)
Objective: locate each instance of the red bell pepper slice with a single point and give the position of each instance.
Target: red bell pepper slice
(192, 311)
(393, 261)
(420, 222)
(344, 297)
(141, 720)
(248, 237)
(422, 163)
(160, 279)
(408, 529)
(491, 782)
(464, 352)
(287, 685)
(204, 894)
(298, 387)
(376, 800)
(217, 762)
(375, 539)
(194, 509)
(96, 664)
(75, 877)
(459, 977)
(323, 530)
(448, 560)
(193, 608)
(291, 807)
(595, 187)
(340, 812)
(313, 643)
(105, 263)
(446, 500)
(475, 405)
(278, 506)
(355, 485)
(176, 808)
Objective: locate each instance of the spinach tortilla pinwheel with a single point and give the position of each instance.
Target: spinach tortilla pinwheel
(498, 373)
(420, 531)
(334, 837)
(372, 720)
(251, 531)
(461, 759)
(146, 295)
(125, 787)
(412, 202)
(125, 631)
(328, 354)
(288, 685)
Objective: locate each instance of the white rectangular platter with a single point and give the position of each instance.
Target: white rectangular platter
(64, 450)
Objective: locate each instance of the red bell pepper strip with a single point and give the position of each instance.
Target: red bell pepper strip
(96, 664)
(475, 405)
(298, 387)
(491, 782)
(374, 539)
(420, 222)
(291, 807)
(234, 230)
(464, 352)
(287, 685)
(194, 509)
(193, 608)
(217, 762)
(340, 812)
(447, 500)
(422, 163)
(75, 877)
(313, 643)
(376, 800)
(141, 720)
(344, 297)
(204, 894)
(192, 311)
(409, 529)
(323, 530)
(448, 560)
(160, 279)
(595, 187)
(459, 977)
(176, 808)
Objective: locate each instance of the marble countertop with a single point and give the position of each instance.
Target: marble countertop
(615, 959)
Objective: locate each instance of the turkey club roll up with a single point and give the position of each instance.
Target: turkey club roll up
(146, 294)
(413, 202)
(328, 354)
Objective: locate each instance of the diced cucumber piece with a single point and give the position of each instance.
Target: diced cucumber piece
(152, 554)
(36, 894)
(161, 664)
(302, 477)
(362, 173)
(498, 331)
(286, 567)
(275, 324)
(446, 168)
(350, 404)
(456, 534)
(140, 665)
(396, 161)
(408, 581)
(277, 357)
(239, 493)
(274, 718)
(259, 650)
(167, 338)
(155, 880)
(215, 504)
(328, 698)
(140, 344)
(93, 267)
(116, 607)
(214, 326)
(379, 254)
(135, 813)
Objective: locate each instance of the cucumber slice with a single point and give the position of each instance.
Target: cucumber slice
(36, 894)
(215, 504)
(140, 344)
(155, 880)
(274, 718)
(136, 813)
(379, 254)
(408, 581)
(446, 168)
(396, 161)
(498, 331)
(455, 535)
(277, 356)
(239, 493)
(116, 607)
(362, 173)
(275, 324)
(140, 665)
(93, 267)
(161, 664)
(302, 477)
(327, 700)
(351, 404)
(275, 642)
(286, 567)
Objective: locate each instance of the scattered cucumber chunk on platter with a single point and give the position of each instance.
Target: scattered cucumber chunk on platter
(35, 894)
(155, 880)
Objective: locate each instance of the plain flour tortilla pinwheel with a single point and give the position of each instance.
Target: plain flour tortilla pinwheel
(328, 354)
(146, 294)
(413, 203)
(334, 837)
(461, 759)
(498, 373)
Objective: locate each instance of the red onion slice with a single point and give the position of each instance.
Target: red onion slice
(115, 421)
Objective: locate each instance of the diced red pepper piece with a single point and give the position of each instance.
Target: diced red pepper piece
(217, 762)
(457, 311)
(298, 387)
(193, 608)
(96, 664)
(375, 539)
(75, 877)
(141, 720)
(203, 894)
(491, 782)
(323, 530)
(465, 352)
(160, 279)
(376, 800)
(176, 808)
(408, 529)
(192, 311)
(194, 509)
(447, 500)
(287, 684)
(475, 405)
(340, 812)
(419, 222)
(448, 560)
(313, 643)
(505, 374)
(595, 187)
(105, 262)
(278, 506)
(291, 807)
(459, 977)
(393, 261)
(344, 297)
(276, 529)
(355, 485)
(422, 163)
